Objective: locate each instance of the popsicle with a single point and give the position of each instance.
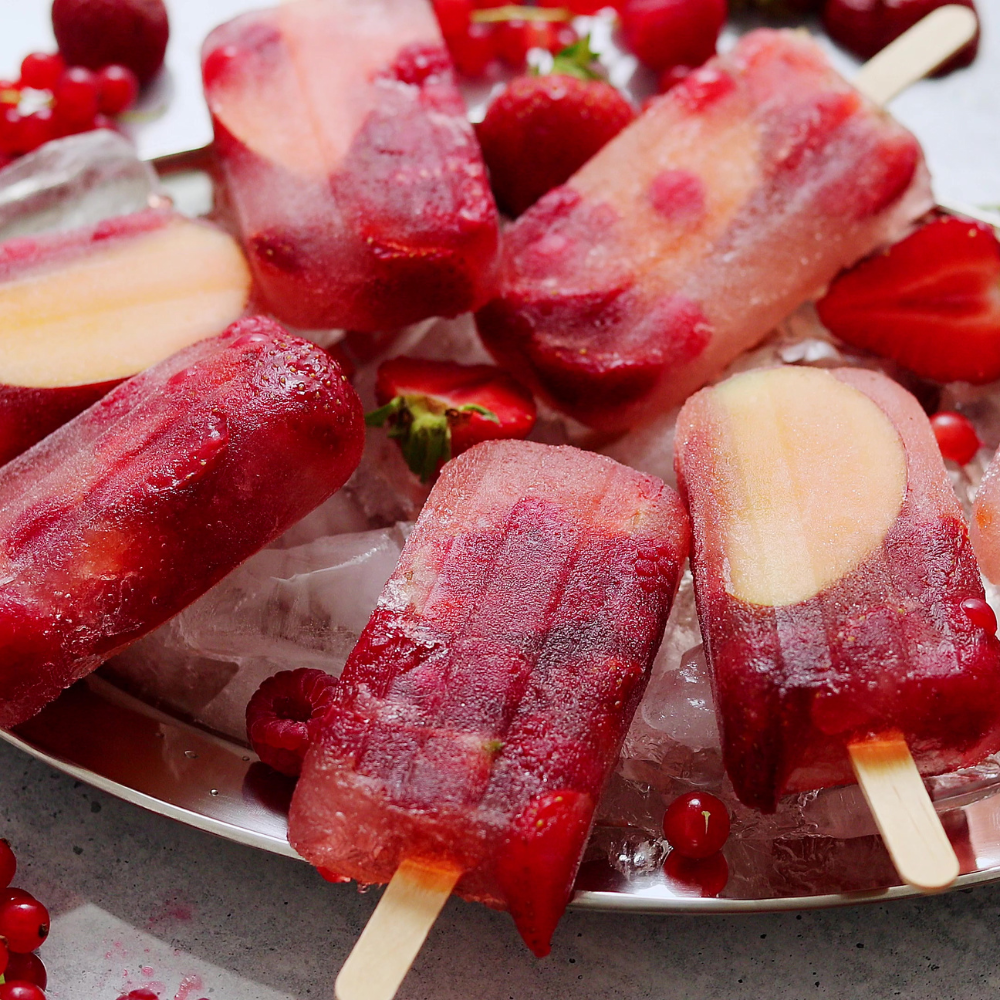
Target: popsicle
(734, 198)
(985, 525)
(839, 597)
(354, 175)
(137, 506)
(82, 310)
(486, 701)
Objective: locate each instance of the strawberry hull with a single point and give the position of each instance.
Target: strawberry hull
(135, 508)
(484, 706)
(734, 198)
(370, 211)
(887, 647)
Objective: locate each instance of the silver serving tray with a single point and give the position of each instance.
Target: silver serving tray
(100, 735)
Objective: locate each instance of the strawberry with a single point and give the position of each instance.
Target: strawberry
(542, 129)
(930, 302)
(437, 409)
(867, 26)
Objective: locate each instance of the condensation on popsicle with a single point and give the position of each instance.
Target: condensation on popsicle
(834, 575)
(733, 199)
(484, 706)
(354, 175)
(132, 510)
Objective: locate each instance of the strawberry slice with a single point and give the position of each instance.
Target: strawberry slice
(437, 409)
(930, 302)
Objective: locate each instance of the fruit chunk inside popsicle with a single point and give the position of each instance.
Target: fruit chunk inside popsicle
(815, 479)
(120, 307)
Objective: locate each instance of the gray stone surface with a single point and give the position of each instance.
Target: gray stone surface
(137, 900)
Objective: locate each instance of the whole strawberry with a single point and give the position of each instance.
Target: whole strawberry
(868, 26)
(97, 33)
(542, 129)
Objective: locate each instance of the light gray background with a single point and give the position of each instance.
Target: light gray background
(138, 900)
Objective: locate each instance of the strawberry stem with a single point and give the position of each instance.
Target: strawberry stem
(515, 13)
(576, 60)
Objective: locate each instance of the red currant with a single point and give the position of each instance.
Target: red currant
(956, 437)
(41, 70)
(8, 864)
(980, 614)
(702, 876)
(696, 825)
(666, 33)
(10, 130)
(11, 892)
(24, 923)
(15, 989)
(37, 128)
(4, 960)
(515, 38)
(453, 15)
(473, 50)
(76, 95)
(117, 88)
(28, 969)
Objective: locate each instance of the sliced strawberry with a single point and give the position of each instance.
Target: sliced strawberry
(279, 714)
(437, 409)
(542, 129)
(930, 302)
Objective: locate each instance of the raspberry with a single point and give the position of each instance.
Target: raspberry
(279, 714)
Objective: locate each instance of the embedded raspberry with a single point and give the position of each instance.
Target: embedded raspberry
(279, 713)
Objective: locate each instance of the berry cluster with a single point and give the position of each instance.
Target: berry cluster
(24, 925)
(52, 100)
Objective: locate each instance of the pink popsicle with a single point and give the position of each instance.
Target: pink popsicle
(484, 706)
(132, 510)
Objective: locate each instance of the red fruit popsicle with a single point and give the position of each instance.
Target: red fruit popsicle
(355, 177)
(485, 704)
(136, 507)
(736, 197)
(839, 597)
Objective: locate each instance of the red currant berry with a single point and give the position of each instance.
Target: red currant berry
(8, 864)
(666, 33)
(4, 960)
(117, 88)
(956, 437)
(24, 923)
(15, 989)
(11, 892)
(41, 70)
(453, 15)
(980, 614)
(27, 969)
(513, 41)
(473, 50)
(37, 128)
(76, 95)
(10, 130)
(696, 825)
(705, 877)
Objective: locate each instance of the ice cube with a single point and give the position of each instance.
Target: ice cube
(73, 182)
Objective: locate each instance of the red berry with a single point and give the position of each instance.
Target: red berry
(10, 130)
(24, 923)
(472, 50)
(8, 864)
(40, 70)
(279, 713)
(36, 129)
(15, 989)
(141, 994)
(332, 876)
(6, 895)
(705, 877)
(453, 15)
(28, 969)
(512, 42)
(956, 437)
(117, 88)
(76, 95)
(696, 825)
(4, 960)
(980, 614)
(666, 33)
(96, 33)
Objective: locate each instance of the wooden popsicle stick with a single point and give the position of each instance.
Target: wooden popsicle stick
(904, 813)
(917, 52)
(383, 954)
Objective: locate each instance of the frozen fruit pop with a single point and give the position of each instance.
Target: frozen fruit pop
(136, 507)
(837, 589)
(985, 527)
(355, 177)
(486, 701)
(83, 310)
(736, 197)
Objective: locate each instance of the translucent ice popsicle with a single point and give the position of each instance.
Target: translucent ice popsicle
(837, 590)
(126, 514)
(485, 703)
(355, 177)
(985, 527)
(733, 199)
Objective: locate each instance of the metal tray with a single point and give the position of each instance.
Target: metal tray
(105, 737)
